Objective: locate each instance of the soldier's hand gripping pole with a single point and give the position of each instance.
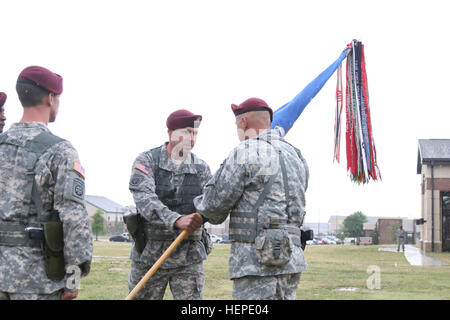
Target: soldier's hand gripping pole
(158, 263)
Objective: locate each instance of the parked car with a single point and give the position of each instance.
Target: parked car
(225, 239)
(318, 240)
(120, 238)
(335, 239)
(215, 238)
(329, 240)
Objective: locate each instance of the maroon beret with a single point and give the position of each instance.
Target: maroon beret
(3, 97)
(181, 119)
(43, 78)
(252, 104)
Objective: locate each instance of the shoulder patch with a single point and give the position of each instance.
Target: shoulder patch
(143, 168)
(77, 167)
(75, 188)
(136, 179)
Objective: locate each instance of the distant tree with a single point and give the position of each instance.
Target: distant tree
(353, 224)
(98, 223)
(341, 235)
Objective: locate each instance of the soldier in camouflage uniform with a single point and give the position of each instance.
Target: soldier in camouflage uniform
(164, 181)
(2, 111)
(261, 186)
(401, 238)
(41, 197)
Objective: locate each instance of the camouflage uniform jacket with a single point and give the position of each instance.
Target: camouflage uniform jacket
(237, 185)
(152, 209)
(22, 268)
(400, 233)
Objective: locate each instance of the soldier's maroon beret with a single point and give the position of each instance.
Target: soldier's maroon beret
(3, 97)
(252, 104)
(43, 78)
(182, 118)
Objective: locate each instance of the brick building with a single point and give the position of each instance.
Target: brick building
(433, 164)
(386, 228)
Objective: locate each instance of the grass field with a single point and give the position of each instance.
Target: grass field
(334, 272)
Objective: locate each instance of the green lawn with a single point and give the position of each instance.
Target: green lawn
(332, 270)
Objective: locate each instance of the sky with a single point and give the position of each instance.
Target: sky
(127, 65)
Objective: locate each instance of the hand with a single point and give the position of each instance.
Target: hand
(190, 222)
(69, 295)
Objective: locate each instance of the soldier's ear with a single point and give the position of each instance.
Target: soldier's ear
(245, 123)
(47, 100)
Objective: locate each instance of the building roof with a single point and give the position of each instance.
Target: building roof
(369, 219)
(433, 152)
(332, 218)
(324, 225)
(105, 204)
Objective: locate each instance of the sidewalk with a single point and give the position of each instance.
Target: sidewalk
(416, 257)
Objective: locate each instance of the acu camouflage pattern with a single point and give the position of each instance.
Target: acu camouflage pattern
(31, 296)
(237, 185)
(279, 287)
(401, 239)
(149, 206)
(22, 268)
(186, 283)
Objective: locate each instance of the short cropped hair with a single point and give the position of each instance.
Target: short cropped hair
(30, 95)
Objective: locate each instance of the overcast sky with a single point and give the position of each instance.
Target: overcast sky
(128, 64)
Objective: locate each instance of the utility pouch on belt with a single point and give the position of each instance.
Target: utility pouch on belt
(273, 248)
(53, 250)
(135, 227)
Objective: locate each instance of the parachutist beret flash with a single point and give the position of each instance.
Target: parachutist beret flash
(183, 118)
(3, 97)
(252, 104)
(41, 77)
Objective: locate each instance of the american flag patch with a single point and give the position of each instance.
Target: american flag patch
(78, 167)
(143, 168)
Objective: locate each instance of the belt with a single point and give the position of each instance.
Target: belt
(14, 235)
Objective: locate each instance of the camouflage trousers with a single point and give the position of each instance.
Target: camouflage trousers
(186, 283)
(31, 296)
(278, 287)
(401, 242)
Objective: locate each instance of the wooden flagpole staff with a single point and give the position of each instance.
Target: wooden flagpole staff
(157, 264)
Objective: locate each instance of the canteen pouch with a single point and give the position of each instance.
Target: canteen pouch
(273, 248)
(135, 227)
(53, 250)
(206, 240)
